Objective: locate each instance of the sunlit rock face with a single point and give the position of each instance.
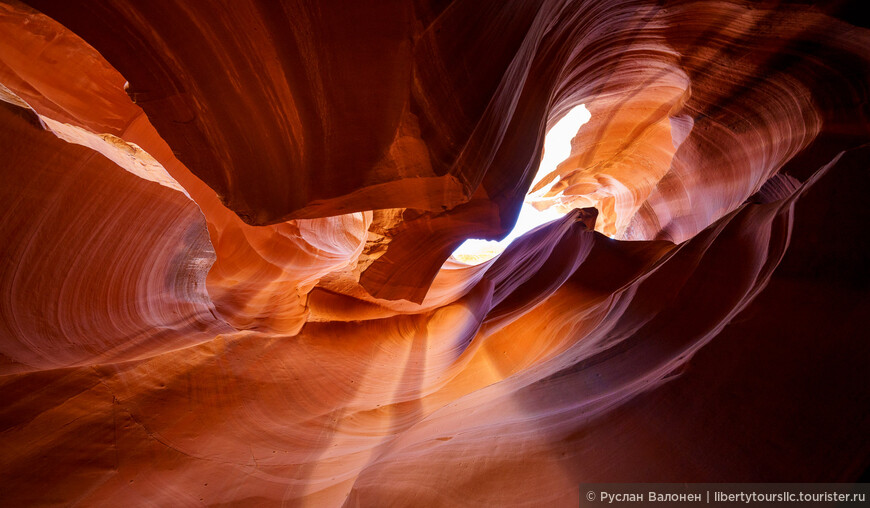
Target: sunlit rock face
(227, 229)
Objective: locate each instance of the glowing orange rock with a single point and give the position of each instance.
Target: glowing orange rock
(226, 235)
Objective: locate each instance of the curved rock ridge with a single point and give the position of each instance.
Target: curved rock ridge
(227, 228)
(81, 282)
(262, 274)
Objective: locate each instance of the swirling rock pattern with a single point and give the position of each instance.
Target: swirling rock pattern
(227, 228)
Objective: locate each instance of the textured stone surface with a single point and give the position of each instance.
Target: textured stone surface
(226, 231)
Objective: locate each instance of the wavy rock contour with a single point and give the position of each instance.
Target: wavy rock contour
(227, 235)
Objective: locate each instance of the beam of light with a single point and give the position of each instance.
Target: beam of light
(557, 148)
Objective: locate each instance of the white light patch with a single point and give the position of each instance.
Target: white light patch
(557, 148)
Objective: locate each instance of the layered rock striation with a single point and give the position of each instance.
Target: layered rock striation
(227, 232)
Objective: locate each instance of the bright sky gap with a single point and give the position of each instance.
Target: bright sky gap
(557, 148)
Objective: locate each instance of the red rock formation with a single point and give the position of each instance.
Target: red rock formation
(227, 228)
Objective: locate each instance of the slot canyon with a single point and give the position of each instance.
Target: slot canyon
(230, 272)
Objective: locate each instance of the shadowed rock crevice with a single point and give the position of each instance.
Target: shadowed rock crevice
(227, 227)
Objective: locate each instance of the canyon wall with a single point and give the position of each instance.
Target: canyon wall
(226, 273)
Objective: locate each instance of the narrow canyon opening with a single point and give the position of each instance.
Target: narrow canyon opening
(534, 212)
(225, 224)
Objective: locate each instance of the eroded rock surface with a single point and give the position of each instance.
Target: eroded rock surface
(227, 228)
